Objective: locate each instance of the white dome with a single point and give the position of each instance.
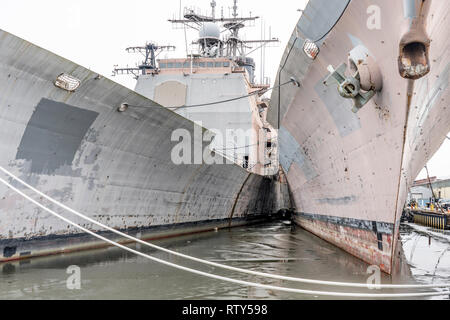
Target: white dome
(209, 30)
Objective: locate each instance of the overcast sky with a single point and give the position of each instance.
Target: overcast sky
(95, 33)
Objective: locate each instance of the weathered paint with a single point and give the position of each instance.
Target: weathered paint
(360, 238)
(18, 249)
(55, 129)
(366, 161)
(291, 151)
(114, 167)
(409, 9)
(339, 109)
(314, 24)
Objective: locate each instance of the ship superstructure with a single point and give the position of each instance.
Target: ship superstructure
(215, 86)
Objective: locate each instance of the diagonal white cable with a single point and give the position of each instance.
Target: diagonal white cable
(214, 264)
(213, 276)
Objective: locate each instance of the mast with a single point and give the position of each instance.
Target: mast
(213, 7)
(150, 51)
(231, 46)
(218, 38)
(235, 9)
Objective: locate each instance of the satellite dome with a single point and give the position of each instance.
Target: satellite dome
(209, 30)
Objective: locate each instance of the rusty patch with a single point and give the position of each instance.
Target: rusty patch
(370, 246)
(413, 61)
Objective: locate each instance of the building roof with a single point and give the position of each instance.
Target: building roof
(424, 181)
(433, 181)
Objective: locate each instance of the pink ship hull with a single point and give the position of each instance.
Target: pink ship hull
(349, 173)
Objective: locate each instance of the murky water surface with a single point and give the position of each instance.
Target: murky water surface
(272, 248)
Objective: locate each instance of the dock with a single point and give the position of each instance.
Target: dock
(430, 218)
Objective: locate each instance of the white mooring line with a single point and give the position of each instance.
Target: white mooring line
(217, 277)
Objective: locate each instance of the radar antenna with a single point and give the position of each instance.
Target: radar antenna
(233, 46)
(148, 66)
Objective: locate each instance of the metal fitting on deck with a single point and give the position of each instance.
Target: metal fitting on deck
(67, 82)
(123, 107)
(364, 82)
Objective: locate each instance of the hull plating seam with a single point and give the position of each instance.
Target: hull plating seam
(380, 227)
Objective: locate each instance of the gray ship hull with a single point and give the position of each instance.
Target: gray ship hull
(115, 167)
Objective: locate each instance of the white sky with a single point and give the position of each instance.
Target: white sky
(95, 33)
(439, 165)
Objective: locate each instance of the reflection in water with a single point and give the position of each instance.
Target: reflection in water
(272, 248)
(428, 253)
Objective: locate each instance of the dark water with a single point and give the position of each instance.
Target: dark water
(272, 248)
